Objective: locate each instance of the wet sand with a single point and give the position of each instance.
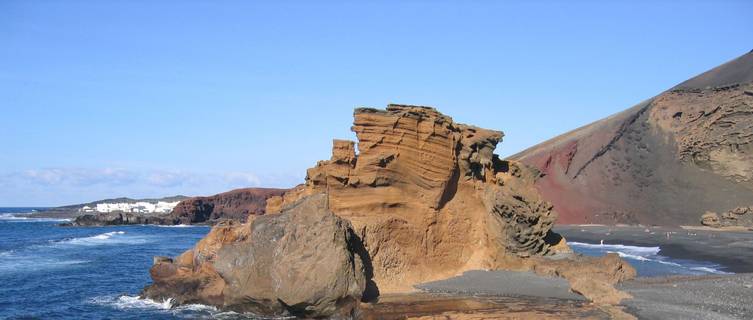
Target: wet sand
(731, 249)
(439, 306)
(503, 284)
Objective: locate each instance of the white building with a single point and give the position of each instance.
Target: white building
(136, 207)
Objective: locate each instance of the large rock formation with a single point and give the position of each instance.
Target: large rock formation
(427, 199)
(304, 261)
(685, 151)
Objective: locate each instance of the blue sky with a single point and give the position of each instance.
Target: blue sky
(154, 98)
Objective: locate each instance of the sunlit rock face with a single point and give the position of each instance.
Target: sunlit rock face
(428, 196)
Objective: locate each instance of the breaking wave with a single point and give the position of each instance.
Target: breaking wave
(648, 261)
(636, 250)
(12, 262)
(132, 302)
(175, 226)
(18, 217)
(188, 311)
(114, 237)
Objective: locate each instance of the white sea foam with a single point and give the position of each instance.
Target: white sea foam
(126, 302)
(709, 270)
(189, 311)
(12, 262)
(175, 226)
(641, 258)
(113, 237)
(651, 255)
(132, 302)
(634, 250)
(18, 217)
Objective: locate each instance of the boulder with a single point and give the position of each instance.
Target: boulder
(735, 218)
(710, 219)
(304, 261)
(741, 210)
(591, 277)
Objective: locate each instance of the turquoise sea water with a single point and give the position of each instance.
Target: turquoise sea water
(52, 272)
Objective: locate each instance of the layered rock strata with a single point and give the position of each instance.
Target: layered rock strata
(429, 198)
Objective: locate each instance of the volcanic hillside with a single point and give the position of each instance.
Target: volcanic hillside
(665, 161)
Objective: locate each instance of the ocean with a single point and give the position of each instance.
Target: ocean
(51, 272)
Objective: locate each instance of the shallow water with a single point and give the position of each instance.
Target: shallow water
(648, 261)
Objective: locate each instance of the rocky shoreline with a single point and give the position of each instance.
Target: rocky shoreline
(236, 205)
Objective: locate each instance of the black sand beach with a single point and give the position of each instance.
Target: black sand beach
(731, 249)
(692, 298)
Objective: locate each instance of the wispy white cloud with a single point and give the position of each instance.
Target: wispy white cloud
(66, 185)
(242, 178)
(124, 177)
(76, 176)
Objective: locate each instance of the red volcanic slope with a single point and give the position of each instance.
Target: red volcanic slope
(664, 161)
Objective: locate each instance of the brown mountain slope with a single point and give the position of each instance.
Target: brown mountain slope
(664, 161)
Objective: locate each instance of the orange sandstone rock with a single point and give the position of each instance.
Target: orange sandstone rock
(418, 198)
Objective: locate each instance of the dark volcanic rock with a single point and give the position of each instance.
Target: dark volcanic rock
(117, 218)
(237, 205)
(234, 205)
(685, 151)
(304, 261)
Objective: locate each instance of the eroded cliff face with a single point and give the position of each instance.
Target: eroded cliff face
(712, 128)
(663, 162)
(428, 197)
